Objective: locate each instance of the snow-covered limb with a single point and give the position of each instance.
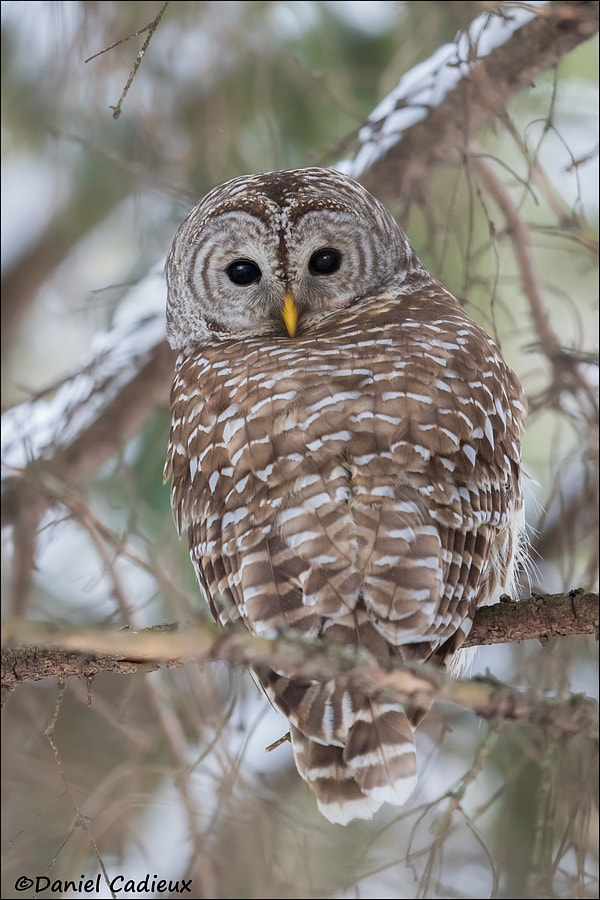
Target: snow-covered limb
(38, 429)
(101, 405)
(427, 84)
(441, 104)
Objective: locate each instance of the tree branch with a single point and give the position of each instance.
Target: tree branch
(541, 617)
(62, 439)
(480, 98)
(44, 651)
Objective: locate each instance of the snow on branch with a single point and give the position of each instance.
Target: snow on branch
(43, 651)
(98, 408)
(441, 104)
(426, 85)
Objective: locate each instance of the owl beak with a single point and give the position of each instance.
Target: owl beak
(289, 314)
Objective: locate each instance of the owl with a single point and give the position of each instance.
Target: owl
(344, 454)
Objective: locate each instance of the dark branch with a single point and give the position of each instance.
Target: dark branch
(542, 617)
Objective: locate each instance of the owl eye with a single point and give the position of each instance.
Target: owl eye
(243, 271)
(325, 261)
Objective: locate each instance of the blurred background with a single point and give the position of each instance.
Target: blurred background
(166, 773)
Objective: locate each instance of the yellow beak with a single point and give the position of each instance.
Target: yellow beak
(289, 314)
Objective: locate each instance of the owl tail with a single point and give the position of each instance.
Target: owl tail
(377, 764)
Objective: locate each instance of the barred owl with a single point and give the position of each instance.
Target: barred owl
(344, 453)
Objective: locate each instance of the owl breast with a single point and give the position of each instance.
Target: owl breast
(331, 487)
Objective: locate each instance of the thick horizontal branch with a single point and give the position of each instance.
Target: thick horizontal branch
(541, 617)
(44, 651)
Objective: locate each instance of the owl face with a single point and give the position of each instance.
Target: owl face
(275, 253)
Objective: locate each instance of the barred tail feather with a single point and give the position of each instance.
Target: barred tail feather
(376, 765)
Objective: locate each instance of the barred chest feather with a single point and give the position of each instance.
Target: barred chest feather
(376, 471)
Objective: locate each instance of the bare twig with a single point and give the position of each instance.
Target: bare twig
(519, 237)
(150, 28)
(566, 368)
(152, 25)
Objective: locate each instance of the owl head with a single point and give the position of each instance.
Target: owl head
(273, 254)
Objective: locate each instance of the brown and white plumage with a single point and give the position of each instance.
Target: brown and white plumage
(355, 475)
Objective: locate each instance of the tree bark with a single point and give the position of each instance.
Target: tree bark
(44, 651)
